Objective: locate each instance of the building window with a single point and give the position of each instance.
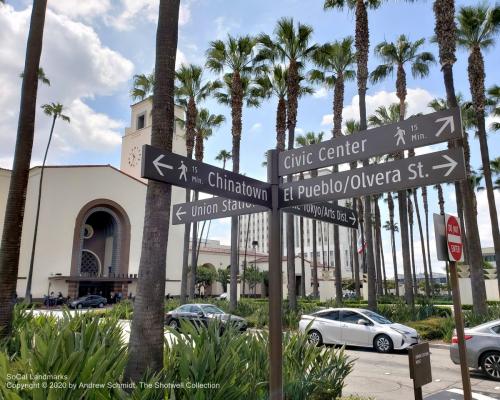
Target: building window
(141, 121)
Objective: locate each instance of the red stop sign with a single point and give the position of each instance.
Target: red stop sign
(454, 238)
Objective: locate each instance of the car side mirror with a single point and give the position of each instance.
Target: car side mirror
(363, 322)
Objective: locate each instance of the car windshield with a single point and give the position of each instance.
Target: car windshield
(212, 310)
(376, 317)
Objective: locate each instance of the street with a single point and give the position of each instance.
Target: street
(386, 377)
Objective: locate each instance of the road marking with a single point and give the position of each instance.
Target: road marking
(475, 396)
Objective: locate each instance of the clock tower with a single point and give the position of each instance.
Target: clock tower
(139, 134)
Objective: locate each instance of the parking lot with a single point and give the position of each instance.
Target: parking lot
(387, 377)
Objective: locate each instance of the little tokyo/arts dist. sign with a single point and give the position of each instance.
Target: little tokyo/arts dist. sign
(425, 170)
(327, 212)
(413, 132)
(181, 171)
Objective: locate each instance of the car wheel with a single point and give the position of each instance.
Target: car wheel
(80, 306)
(315, 338)
(174, 324)
(490, 363)
(383, 344)
(101, 305)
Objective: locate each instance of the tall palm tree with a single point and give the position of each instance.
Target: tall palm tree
(352, 126)
(142, 86)
(467, 206)
(235, 57)
(223, 156)
(54, 110)
(396, 55)
(477, 28)
(392, 227)
(205, 125)
(291, 45)
(362, 45)
(495, 170)
(426, 213)
(379, 267)
(306, 140)
(335, 61)
(494, 99)
(412, 247)
(145, 351)
(16, 198)
(446, 36)
(191, 89)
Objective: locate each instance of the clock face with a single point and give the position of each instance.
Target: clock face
(134, 156)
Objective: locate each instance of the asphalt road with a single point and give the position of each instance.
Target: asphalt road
(387, 377)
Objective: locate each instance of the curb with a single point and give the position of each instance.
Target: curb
(439, 346)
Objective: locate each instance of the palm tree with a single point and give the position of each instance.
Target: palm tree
(291, 45)
(205, 125)
(145, 350)
(54, 110)
(426, 213)
(477, 28)
(16, 198)
(396, 55)
(306, 140)
(191, 89)
(380, 268)
(223, 156)
(235, 56)
(467, 206)
(142, 86)
(495, 170)
(446, 36)
(439, 189)
(392, 227)
(362, 45)
(352, 126)
(42, 77)
(494, 93)
(412, 248)
(335, 61)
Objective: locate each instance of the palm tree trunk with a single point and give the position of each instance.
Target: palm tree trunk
(355, 256)
(185, 257)
(383, 261)
(426, 212)
(390, 205)
(377, 247)
(194, 267)
(27, 296)
(16, 199)
(476, 81)
(315, 261)
(147, 331)
(246, 250)
(302, 261)
(422, 242)
(412, 247)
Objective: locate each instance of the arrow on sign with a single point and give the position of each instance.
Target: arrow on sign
(179, 213)
(451, 164)
(447, 121)
(158, 164)
(352, 218)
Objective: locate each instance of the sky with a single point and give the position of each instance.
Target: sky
(92, 49)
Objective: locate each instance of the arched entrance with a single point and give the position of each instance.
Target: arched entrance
(100, 250)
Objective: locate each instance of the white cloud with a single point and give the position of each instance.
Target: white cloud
(80, 68)
(256, 127)
(134, 11)
(417, 100)
(320, 93)
(223, 27)
(81, 9)
(483, 217)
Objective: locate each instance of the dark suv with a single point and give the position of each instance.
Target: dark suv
(92, 300)
(202, 314)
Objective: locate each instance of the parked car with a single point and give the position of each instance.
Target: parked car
(89, 301)
(483, 348)
(201, 314)
(223, 296)
(357, 327)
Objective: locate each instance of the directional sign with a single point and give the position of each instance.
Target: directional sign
(327, 212)
(454, 238)
(413, 132)
(425, 170)
(187, 173)
(214, 208)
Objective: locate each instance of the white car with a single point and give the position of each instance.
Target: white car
(357, 327)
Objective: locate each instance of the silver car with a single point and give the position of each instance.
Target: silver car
(357, 327)
(483, 348)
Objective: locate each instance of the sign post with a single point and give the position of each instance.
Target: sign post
(419, 357)
(275, 284)
(455, 253)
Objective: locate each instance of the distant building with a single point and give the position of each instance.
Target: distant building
(489, 255)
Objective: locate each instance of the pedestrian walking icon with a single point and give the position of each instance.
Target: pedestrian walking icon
(400, 135)
(183, 169)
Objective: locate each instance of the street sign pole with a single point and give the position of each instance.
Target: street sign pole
(275, 283)
(459, 324)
